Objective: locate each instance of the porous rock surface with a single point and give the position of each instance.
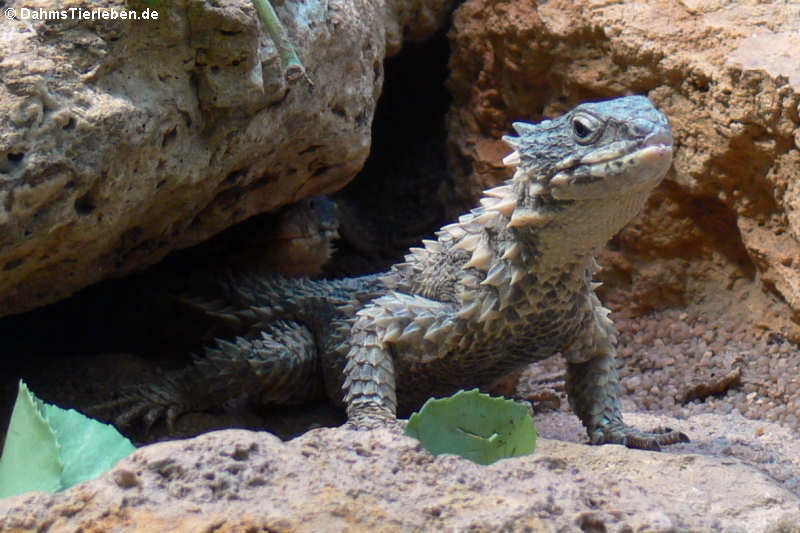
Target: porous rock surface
(342, 480)
(723, 230)
(123, 140)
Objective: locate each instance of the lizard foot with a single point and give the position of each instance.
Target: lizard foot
(146, 404)
(620, 433)
(371, 416)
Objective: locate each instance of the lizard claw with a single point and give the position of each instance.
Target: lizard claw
(145, 405)
(620, 433)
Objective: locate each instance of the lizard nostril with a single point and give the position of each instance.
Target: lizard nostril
(659, 136)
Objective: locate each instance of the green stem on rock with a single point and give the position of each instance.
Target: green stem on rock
(293, 68)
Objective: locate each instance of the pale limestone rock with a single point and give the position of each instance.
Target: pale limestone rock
(121, 141)
(341, 480)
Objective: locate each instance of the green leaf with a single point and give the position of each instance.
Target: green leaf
(88, 447)
(30, 458)
(475, 426)
(49, 448)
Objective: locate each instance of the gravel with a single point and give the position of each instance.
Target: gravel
(682, 364)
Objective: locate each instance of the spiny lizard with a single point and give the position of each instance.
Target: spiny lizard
(510, 283)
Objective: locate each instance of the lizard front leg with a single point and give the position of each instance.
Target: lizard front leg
(369, 385)
(392, 329)
(593, 391)
(593, 386)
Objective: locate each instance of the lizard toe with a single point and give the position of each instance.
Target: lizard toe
(150, 414)
(131, 413)
(641, 440)
(138, 407)
(666, 436)
(171, 415)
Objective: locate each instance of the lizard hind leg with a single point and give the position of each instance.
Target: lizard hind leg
(279, 366)
(285, 361)
(593, 391)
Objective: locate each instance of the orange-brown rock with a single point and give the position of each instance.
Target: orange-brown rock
(724, 227)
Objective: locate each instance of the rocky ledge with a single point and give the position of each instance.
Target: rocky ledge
(736, 475)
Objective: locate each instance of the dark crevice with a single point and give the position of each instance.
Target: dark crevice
(234, 176)
(169, 137)
(14, 263)
(11, 163)
(85, 204)
(393, 202)
(320, 171)
(339, 111)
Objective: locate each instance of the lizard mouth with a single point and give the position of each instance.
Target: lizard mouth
(624, 166)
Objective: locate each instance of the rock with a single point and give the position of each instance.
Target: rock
(723, 230)
(337, 479)
(120, 141)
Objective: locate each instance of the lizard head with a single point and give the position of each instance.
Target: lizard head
(597, 150)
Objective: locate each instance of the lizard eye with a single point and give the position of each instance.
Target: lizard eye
(581, 129)
(586, 128)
